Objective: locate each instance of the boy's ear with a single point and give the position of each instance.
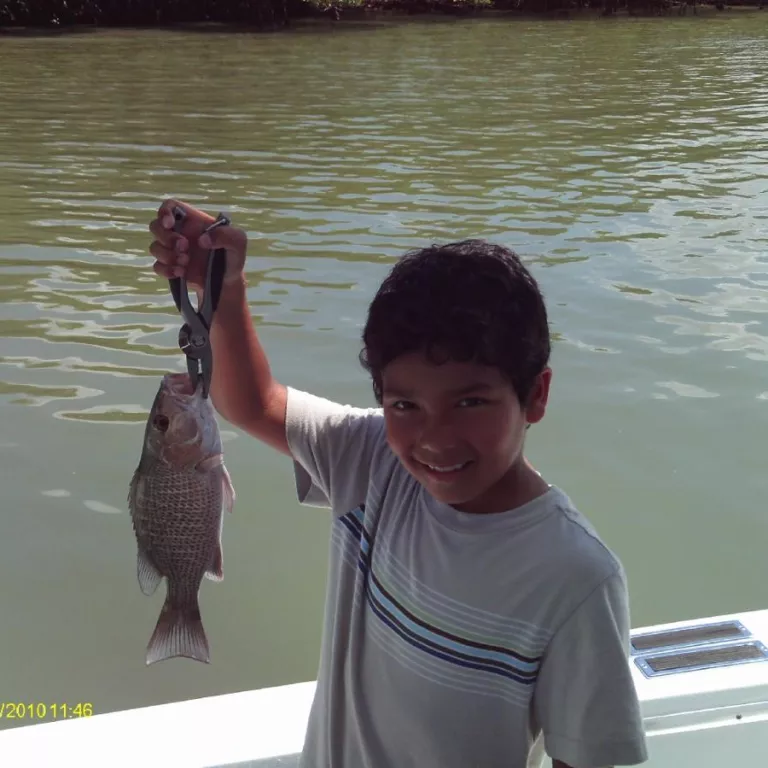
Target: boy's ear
(537, 400)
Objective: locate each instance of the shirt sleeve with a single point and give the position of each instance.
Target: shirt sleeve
(333, 447)
(585, 699)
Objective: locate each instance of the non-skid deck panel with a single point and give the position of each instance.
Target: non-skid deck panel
(706, 657)
(696, 646)
(692, 635)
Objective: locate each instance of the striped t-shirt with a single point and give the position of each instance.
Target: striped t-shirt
(454, 640)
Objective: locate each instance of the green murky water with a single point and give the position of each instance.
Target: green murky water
(625, 160)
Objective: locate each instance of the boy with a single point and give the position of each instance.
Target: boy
(473, 615)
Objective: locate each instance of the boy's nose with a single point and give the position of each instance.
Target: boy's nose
(438, 439)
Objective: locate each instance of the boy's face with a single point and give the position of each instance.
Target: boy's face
(459, 429)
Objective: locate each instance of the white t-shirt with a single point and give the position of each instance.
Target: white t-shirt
(457, 640)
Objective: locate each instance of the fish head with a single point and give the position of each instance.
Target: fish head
(181, 428)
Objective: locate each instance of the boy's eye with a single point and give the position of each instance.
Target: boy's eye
(471, 401)
(402, 405)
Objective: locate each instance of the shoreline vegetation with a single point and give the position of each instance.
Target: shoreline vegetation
(39, 15)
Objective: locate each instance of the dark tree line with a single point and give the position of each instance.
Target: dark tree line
(276, 13)
(47, 13)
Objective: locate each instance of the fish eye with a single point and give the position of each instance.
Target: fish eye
(161, 422)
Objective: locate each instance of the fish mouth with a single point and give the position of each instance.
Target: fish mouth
(179, 384)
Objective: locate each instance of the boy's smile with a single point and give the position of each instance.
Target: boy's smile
(459, 429)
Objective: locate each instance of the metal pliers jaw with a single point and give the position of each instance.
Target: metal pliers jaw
(194, 338)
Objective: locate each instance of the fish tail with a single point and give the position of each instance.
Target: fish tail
(179, 632)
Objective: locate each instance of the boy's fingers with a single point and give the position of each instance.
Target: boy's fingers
(167, 206)
(163, 254)
(168, 238)
(161, 232)
(164, 270)
(165, 214)
(231, 238)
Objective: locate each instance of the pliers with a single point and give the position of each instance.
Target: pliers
(194, 339)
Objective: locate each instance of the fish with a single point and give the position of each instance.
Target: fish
(177, 498)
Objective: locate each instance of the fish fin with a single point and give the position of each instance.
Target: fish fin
(179, 632)
(149, 576)
(229, 490)
(216, 571)
(210, 463)
(134, 489)
(215, 463)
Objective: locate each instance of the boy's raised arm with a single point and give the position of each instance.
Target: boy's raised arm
(242, 387)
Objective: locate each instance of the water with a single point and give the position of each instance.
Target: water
(625, 160)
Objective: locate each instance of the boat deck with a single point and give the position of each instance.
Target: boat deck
(703, 686)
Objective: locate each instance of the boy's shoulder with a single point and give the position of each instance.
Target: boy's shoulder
(582, 542)
(575, 558)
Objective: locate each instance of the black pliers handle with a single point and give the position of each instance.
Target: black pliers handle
(194, 338)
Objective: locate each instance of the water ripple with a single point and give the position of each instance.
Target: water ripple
(635, 166)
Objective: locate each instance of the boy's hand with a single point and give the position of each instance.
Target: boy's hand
(185, 253)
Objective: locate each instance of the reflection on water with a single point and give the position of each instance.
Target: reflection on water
(627, 162)
(117, 414)
(29, 394)
(573, 154)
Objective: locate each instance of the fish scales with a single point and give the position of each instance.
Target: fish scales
(178, 518)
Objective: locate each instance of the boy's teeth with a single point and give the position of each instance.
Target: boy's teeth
(446, 469)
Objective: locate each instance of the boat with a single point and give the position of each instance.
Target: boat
(703, 687)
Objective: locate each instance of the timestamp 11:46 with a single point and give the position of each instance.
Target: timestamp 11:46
(40, 710)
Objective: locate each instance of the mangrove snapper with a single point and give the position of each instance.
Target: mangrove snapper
(177, 497)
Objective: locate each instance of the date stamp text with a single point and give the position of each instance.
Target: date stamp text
(41, 710)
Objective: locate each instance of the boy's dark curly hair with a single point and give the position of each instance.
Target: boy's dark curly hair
(465, 301)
